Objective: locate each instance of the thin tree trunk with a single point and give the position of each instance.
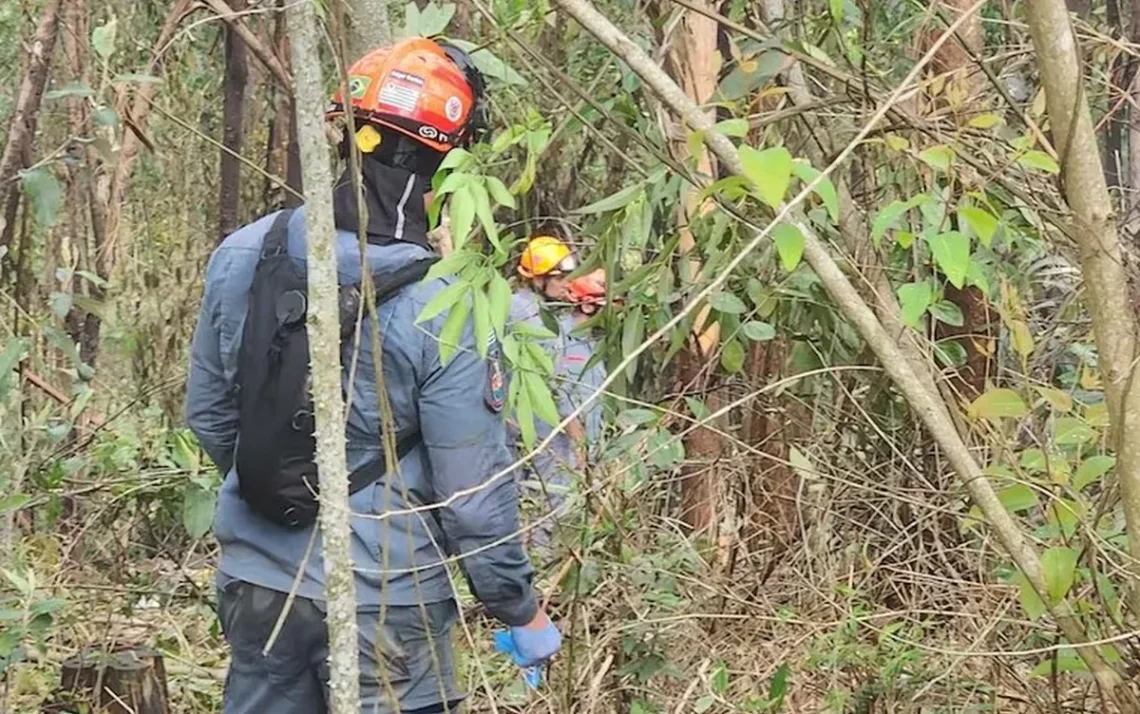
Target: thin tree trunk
(368, 26)
(23, 126)
(691, 59)
(1102, 266)
(324, 353)
(926, 404)
(232, 135)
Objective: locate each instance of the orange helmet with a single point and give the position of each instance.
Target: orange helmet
(546, 255)
(426, 90)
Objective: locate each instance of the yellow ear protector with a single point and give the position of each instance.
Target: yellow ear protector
(367, 139)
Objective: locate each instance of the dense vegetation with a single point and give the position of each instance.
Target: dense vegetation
(782, 519)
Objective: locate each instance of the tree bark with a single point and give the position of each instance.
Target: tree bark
(1102, 260)
(232, 134)
(324, 353)
(232, 18)
(692, 59)
(22, 129)
(925, 403)
(368, 26)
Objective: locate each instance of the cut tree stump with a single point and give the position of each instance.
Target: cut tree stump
(129, 680)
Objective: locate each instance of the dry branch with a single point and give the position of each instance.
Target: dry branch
(259, 50)
(23, 126)
(926, 404)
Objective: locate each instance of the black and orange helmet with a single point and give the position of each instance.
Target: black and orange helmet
(429, 91)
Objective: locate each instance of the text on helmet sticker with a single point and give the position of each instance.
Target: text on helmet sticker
(399, 94)
(453, 108)
(405, 77)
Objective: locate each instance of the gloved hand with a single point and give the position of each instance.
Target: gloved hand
(534, 645)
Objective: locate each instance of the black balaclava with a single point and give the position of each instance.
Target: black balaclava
(394, 198)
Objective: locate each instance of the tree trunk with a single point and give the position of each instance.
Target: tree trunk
(232, 134)
(324, 352)
(1102, 266)
(22, 129)
(368, 26)
(692, 60)
(925, 403)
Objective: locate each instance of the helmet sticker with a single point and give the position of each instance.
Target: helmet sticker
(358, 85)
(428, 132)
(405, 77)
(453, 108)
(400, 95)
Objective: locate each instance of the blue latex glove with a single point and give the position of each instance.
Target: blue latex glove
(529, 648)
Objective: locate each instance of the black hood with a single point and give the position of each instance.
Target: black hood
(394, 199)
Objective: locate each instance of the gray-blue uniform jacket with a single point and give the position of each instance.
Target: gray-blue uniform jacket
(462, 445)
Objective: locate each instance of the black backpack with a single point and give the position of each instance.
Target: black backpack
(276, 450)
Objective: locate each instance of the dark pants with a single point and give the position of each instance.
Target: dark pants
(406, 665)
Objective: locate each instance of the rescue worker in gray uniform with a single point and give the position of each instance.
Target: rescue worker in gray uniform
(546, 264)
(405, 603)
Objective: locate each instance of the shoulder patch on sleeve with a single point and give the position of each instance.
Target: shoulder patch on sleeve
(495, 393)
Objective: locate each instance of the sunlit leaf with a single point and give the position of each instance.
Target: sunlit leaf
(981, 222)
(789, 244)
(1070, 431)
(1092, 470)
(452, 330)
(986, 121)
(770, 170)
(1059, 566)
(998, 403)
(939, 156)
(442, 300)
(914, 299)
(1030, 601)
(1039, 161)
(1058, 401)
(103, 38)
(758, 331)
(825, 189)
(1022, 338)
(198, 511)
(611, 203)
(952, 255)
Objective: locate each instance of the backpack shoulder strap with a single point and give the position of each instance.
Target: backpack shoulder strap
(276, 240)
(406, 275)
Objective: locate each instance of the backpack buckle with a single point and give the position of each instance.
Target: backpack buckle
(291, 308)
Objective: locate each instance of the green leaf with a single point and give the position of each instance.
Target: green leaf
(639, 416)
(727, 303)
(704, 704)
(60, 304)
(986, 121)
(825, 189)
(789, 244)
(948, 312)
(13, 502)
(981, 221)
(633, 330)
(778, 687)
(430, 21)
(483, 210)
(621, 199)
(1058, 401)
(70, 90)
(1092, 470)
(14, 351)
(499, 191)
(750, 74)
(105, 116)
(732, 356)
(1070, 431)
(1059, 566)
(758, 331)
(938, 157)
(1018, 497)
(462, 203)
(1030, 602)
(998, 403)
(720, 679)
(44, 192)
(135, 78)
(915, 298)
(198, 511)
(540, 398)
(1033, 460)
(484, 334)
(499, 298)
(450, 265)
(733, 127)
(442, 300)
(891, 214)
(1066, 661)
(770, 170)
(103, 38)
(950, 353)
(452, 331)
(952, 254)
(490, 64)
(1039, 161)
